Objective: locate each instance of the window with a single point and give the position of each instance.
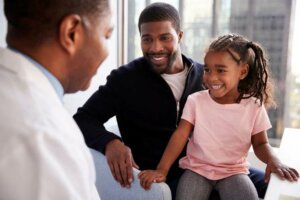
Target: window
(2, 25)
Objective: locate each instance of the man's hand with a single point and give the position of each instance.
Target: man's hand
(120, 161)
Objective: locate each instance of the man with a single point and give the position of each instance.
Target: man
(54, 47)
(147, 97)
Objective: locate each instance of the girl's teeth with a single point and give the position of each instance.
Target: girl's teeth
(215, 87)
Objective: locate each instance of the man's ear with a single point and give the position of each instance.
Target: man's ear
(244, 71)
(180, 36)
(70, 31)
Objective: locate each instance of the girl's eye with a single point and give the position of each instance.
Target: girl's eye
(206, 70)
(221, 71)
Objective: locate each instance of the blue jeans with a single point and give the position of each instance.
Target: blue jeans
(256, 176)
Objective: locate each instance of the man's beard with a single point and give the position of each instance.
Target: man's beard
(171, 58)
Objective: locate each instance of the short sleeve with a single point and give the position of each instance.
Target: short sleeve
(262, 121)
(189, 110)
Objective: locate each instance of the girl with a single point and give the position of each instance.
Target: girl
(221, 124)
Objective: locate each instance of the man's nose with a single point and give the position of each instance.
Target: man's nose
(156, 46)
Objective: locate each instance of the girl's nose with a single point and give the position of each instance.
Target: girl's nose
(212, 77)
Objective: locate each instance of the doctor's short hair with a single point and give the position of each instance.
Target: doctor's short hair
(37, 20)
(159, 11)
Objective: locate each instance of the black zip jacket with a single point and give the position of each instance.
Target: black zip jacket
(145, 108)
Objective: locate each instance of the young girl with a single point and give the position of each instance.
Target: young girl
(221, 124)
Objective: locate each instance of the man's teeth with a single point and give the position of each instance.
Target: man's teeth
(158, 58)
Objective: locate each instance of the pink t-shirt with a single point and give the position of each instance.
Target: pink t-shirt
(222, 135)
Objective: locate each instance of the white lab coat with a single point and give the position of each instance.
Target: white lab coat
(42, 152)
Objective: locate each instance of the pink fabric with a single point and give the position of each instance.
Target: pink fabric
(222, 135)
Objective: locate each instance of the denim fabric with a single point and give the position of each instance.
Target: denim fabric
(257, 177)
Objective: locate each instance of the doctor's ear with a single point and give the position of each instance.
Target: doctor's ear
(70, 32)
(244, 71)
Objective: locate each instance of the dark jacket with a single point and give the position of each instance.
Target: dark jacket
(145, 109)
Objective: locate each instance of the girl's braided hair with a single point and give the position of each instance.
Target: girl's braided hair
(258, 82)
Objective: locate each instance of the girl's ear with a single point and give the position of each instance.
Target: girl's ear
(244, 71)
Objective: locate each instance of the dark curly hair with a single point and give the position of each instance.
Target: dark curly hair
(258, 82)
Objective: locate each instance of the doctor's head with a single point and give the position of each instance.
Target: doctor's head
(67, 37)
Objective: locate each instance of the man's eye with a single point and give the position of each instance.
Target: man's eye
(146, 40)
(165, 38)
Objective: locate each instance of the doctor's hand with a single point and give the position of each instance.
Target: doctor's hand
(120, 161)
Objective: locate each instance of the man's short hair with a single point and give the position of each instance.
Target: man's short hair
(37, 20)
(160, 12)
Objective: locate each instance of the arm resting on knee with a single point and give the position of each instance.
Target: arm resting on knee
(109, 189)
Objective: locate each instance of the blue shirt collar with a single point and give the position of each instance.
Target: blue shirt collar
(52, 79)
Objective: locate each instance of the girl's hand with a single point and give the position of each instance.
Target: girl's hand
(147, 177)
(283, 171)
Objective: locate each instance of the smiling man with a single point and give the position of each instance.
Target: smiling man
(146, 95)
(160, 46)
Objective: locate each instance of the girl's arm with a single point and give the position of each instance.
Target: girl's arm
(171, 153)
(264, 152)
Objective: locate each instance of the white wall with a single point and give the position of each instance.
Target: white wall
(73, 101)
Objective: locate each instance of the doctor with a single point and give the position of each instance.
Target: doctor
(54, 47)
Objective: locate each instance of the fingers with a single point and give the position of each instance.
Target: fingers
(120, 161)
(280, 172)
(146, 179)
(295, 173)
(130, 163)
(283, 171)
(126, 171)
(287, 173)
(290, 174)
(116, 169)
(267, 174)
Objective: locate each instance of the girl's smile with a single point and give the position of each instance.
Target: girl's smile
(222, 75)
